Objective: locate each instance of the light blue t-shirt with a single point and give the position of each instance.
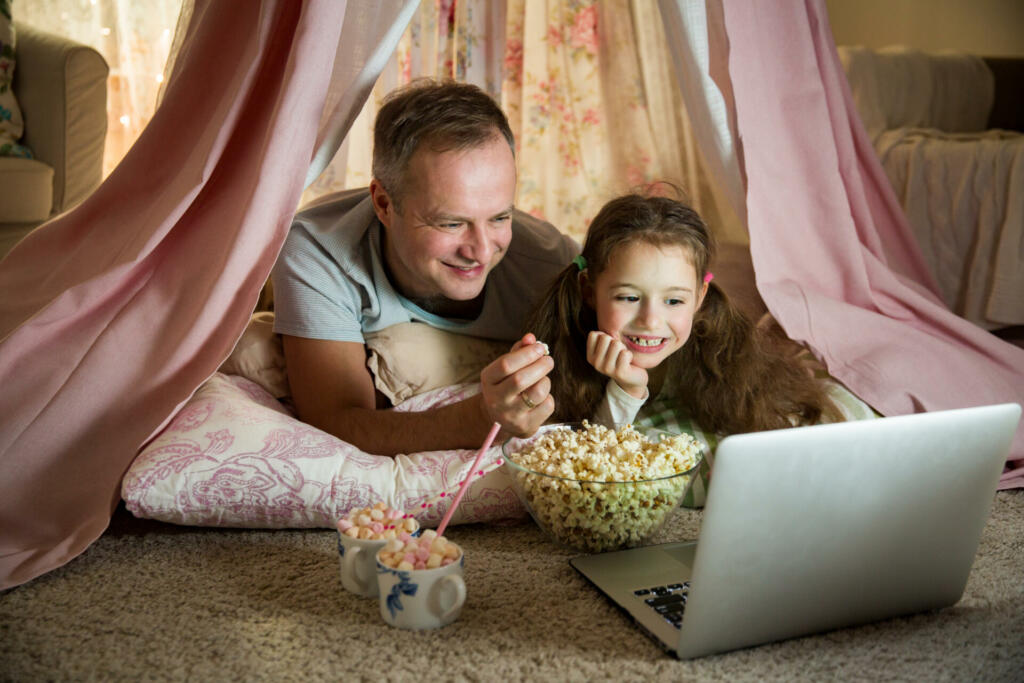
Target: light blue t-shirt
(329, 280)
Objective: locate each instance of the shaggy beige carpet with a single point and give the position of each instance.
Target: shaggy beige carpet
(151, 601)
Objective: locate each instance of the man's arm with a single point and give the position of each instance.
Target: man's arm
(333, 390)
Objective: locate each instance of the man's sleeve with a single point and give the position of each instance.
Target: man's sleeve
(313, 297)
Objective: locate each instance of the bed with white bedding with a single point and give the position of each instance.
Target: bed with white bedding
(959, 180)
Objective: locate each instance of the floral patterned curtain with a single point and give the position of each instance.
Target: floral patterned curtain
(587, 84)
(588, 88)
(588, 91)
(134, 37)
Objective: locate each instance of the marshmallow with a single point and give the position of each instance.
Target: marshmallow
(379, 522)
(429, 551)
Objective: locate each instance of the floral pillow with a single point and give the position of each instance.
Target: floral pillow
(234, 456)
(11, 125)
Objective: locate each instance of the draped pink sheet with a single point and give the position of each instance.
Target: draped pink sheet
(834, 257)
(113, 314)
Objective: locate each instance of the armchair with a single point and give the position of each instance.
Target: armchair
(61, 88)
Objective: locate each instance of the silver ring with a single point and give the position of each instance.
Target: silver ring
(526, 399)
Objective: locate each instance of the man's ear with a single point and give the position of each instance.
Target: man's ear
(383, 206)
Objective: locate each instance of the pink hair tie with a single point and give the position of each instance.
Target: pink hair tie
(708, 276)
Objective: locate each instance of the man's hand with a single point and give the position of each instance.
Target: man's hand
(612, 359)
(516, 390)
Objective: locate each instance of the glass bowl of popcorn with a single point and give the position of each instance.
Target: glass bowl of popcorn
(597, 489)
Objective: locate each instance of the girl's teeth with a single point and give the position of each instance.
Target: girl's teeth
(645, 342)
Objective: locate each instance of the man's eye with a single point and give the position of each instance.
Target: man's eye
(450, 226)
(504, 218)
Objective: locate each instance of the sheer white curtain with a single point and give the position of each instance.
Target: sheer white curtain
(444, 39)
(135, 39)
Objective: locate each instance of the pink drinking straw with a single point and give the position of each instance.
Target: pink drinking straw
(465, 483)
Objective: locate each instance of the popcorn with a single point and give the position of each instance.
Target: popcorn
(428, 551)
(376, 523)
(603, 488)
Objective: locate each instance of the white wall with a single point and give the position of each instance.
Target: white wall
(982, 27)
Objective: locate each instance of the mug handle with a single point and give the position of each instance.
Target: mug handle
(351, 567)
(460, 593)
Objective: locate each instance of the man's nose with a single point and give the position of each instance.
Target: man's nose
(478, 246)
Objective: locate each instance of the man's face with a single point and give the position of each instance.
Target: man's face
(455, 221)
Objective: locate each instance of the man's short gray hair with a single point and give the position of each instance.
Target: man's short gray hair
(444, 114)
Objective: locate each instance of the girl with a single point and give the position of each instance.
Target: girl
(638, 315)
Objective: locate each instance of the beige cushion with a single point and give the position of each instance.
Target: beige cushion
(259, 356)
(406, 360)
(27, 187)
(409, 359)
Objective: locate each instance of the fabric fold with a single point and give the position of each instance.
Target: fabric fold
(836, 262)
(126, 304)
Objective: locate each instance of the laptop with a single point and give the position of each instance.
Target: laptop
(816, 528)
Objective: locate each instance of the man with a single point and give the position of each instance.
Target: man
(436, 240)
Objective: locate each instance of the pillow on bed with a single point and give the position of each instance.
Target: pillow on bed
(234, 456)
(406, 360)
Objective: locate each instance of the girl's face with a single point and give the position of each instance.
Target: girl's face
(646, 298)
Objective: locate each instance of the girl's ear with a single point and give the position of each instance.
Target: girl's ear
(586, 288)
(703, 293)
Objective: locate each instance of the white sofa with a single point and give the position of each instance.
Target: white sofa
(61, 89)
(947, 128)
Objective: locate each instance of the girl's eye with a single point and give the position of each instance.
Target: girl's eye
(627, 297)
(675, 302)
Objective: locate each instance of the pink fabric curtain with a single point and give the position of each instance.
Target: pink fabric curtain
(114, 313)
(835, 259)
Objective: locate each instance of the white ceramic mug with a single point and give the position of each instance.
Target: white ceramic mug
(421, 599)
(358, 558)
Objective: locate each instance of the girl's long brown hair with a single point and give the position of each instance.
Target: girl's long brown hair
(729, 376)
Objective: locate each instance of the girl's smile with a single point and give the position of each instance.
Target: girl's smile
(641, 344)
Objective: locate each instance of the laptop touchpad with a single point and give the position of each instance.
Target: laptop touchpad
(682, 553)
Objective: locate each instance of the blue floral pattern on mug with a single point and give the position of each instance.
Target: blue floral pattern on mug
(341, 548)
(403, 587)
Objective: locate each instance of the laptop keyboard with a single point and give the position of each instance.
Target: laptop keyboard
(668, 601)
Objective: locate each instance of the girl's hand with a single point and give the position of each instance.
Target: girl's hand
(612, 359)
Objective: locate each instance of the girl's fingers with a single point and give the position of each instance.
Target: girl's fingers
(598, 344)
